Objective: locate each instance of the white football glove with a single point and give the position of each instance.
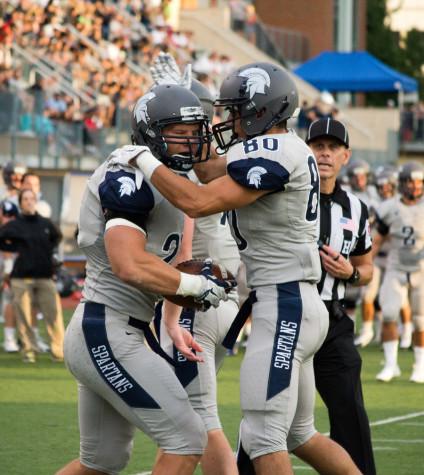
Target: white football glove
(123, 156)
(165, 70)
(214, 290)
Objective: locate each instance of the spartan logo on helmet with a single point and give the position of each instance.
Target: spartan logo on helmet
(257, 79)
(140, 110)
(127, 186)
(254, 176)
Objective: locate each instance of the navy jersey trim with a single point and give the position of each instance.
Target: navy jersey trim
(286, 336)
(108, 367)
(118, 193)
(259, 174)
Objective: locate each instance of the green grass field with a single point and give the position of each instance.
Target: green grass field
(39, 429)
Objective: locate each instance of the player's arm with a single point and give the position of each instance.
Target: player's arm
(125, 247)
(214, 168)
(380, 235)
(377, 242)
(185, 250)
(222, 194)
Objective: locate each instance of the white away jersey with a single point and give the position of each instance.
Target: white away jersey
(112, 193)
(405, 226)
(277, 234)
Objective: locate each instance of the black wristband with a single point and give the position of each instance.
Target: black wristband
(354, 278)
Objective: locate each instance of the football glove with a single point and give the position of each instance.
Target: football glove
(165, 70)
(214, 290)
(121, 157)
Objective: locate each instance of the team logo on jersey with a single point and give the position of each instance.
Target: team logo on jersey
(254, 176)
(257, 79)
(140, 110)
(127, 186)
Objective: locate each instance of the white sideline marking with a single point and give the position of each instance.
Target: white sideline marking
(302, 467)
(393, 419)
(412, 424)
(397, 419)
(385, 448)
(400, 441)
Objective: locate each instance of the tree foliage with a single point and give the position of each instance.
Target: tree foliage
(406, 55)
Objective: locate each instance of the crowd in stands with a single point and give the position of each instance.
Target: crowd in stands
(324, 107)
(96, 55)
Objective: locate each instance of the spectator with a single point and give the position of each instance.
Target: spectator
(12, 177)
(238, 16)
(250, 24)
(31, 181)
(34, 238)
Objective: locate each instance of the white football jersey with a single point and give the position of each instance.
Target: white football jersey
(405, 227)
(277, 234)
(112, 193)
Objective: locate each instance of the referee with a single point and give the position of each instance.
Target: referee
(345, 249)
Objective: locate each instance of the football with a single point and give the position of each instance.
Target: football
(195, 266)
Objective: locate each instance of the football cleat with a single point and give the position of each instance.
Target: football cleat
(417, 375)
(388, 373)
(11, 346)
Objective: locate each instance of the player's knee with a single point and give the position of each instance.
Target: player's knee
(297, 438)
(256, 442)
(389, 316)
(190, 440)
(106, 461)
(419, 323)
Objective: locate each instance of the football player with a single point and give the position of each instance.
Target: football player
(129, 234)
(203, 237)
(401, 219)
(385, 181)
(358, 175)
(269, 182)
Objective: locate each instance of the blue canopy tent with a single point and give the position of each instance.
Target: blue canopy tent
(357, 71)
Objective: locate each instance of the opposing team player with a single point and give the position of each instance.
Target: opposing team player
(401, 220)
(269, 182)
(129, 233)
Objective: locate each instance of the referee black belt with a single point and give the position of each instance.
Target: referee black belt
(151, 339)
(335, 309)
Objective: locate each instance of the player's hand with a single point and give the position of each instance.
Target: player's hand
(185, 343)
(126, 157)
(165, 70)
(334, 263)
(214, 290)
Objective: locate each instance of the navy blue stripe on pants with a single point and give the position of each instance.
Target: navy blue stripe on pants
(108, 367)
(286, 335)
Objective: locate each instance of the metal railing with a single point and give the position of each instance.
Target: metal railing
(27, 133)
(46, 72)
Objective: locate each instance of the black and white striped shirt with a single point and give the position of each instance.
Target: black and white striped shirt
(344, 227)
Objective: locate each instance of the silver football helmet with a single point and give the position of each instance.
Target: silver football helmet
(261, 95)
(168, 104)
(411, 180)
